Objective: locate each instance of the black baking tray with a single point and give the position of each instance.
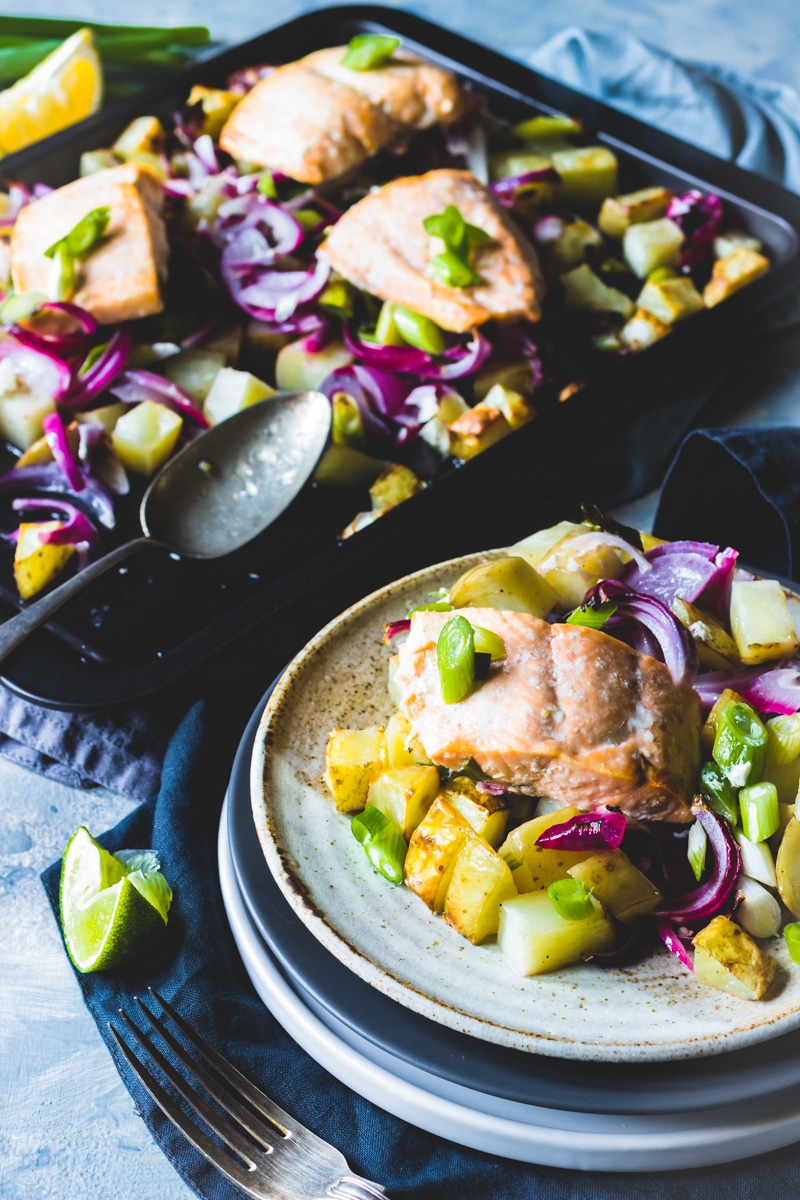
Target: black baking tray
(163, 620)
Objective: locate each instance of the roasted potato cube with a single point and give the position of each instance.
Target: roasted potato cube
(652, 244)
(620, 212)
(402, 748)
(436, 431)
(479, 884)
(216, 104)
(476, 430)
(588, 175)
(517, 162)
(671, 300)
(516, 408)
(536, 547)
(709, 731)
(194, 371)
(569, 247)
(534, 938)
(535, 867)
(727, 958)
(761, 623)
(394, 485)
(620, 887)
(642, 330)
(352, 758)
(715, 646)
(122, 278)
(232, 391)
(787, 867)
(344, 466)
(586, 291)
(433, 850)
(570, 572)
(734, 271)
(144, 135)
(97, 160)
(145, 437)
(734, 239)
(107, 416)
(515, 376)
(298, 370)
(509, 584)
(487, 814)
(21, 416)
(36, 562)
(404, 795)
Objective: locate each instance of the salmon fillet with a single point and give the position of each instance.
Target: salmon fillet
(121, 279)
(381, 246)
(314, 119)
(570, 713)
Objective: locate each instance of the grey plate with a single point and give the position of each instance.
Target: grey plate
(328, 986)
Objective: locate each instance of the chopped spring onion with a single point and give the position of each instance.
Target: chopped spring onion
(61, 280)
(19, 307)
(347, 425)
(792, 935)
(418, 331)
(783, 737)
(455, 654)
(570, 899)
(367, 51)
(661, 274)
(387, 331)
(383, 842)
(84, 236)
(338, 299)
(696, 849)
(266, 185)
(94, 355)
(718, 793)
(593, 616)
(434, 606)
(489, 643)
(552, 125)
(740, 743)
(453, 271)
(760, 811)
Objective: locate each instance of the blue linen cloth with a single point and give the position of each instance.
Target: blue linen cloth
(198, 967)
(199, 971)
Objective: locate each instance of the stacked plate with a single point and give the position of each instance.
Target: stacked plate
(567, 1112)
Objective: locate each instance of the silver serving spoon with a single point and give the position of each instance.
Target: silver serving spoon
(213, 497)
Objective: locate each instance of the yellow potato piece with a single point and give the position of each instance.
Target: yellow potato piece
(145, 437)
(36, 563)
(352, 758)
(480, 882)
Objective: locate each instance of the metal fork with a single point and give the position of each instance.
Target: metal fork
(279, 1160)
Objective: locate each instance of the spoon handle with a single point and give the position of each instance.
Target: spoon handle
(14, 631)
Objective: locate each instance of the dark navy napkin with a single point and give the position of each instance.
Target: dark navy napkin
(737, 487)
(198, 969)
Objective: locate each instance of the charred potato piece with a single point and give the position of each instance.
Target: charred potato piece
(509, 584)
(487, 814)
(642, 330)
(761, 623)
(651, 245)
(37, 562)
(583, 290)
(394, 485)
(715, 646)
(476, 430)
(402, 748)
(588, 175)
(479, 884)
(432, 852)
(787, 867)
(535, 867)
(404, 795)
(620, 887)
(671, 300)
(734, 271)
(727, 958)
(516, 408)
(620, 212)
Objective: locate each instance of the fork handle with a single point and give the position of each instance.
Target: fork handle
(353, 1187)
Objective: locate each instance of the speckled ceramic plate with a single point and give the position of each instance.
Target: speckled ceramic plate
(650, 1011)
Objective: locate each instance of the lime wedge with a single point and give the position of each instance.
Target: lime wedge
(111, 906)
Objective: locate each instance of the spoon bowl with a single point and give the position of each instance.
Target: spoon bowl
(214, 496)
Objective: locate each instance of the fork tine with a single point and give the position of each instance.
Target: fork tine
(215, 1122)
(234, 1171)
(236, 1079)
(254, 1126)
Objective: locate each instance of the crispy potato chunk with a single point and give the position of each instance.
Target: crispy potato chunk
(480, 882)
(352, 758)
(510, 584)
(433, 850)
(761, 623)
(476, 430)
(37, 562)
(620, 212)
(534, 938)
(715, 646)
(618, 884)
(734, 271)
(536, 867)
(727, 958)
(404, 795)
(487, 814)
(671, 300)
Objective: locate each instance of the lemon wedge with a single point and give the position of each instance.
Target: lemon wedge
(63, 88)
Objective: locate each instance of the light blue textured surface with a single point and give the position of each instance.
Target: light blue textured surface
(68, 1127)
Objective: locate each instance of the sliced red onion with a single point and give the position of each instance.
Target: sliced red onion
(204, 150)
(710, 896)
(177, 189)
(700, 218)
(489, 788)
(374, 392)
(48, 477)
(393, 628)
(706, 550)
(254, 211)
(548, 229)
(100, 375)
(508, 189)
(774, 688)
(454, 363)
(76, 528)
(586, 831)
(675, 646)
(135, 386)
(200, 334)
(42, 371)
(56, 437)
(674, 943)
(276, 295)
(716, 595)
(61, 342)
